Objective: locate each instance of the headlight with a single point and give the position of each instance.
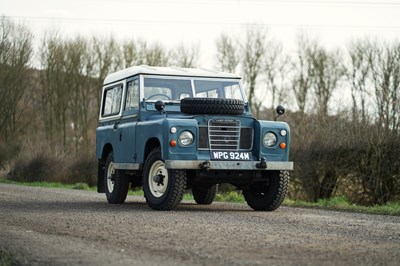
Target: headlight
(269, 139)
(185, 138)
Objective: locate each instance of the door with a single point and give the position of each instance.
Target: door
(126, 150)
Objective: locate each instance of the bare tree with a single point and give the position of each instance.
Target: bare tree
(227, 54)
(319, 70)
(302, 77)
(316, 75)
(253, 51)
(261, 60)
(385, 69)
(185, 57)
(15, 56)
(141, 52)
(153, 54)
(380, 175)
(107, 59)
(53, 88)
(358, 72)
(277, 69)
(327, 71)
(130, 53)
(79, 72)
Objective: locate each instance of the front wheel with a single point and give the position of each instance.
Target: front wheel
(163, 188)
(116, 184)
(268, 194)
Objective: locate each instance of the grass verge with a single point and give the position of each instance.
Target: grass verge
(335, 203)
(6, 259)
(79, 186)
(342, 204)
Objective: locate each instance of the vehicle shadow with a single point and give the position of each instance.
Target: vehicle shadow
(131, 205)
(194, 207)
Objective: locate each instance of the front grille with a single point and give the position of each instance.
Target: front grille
(223, 134)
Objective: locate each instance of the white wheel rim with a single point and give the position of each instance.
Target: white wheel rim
(110, 174)
(158, 189)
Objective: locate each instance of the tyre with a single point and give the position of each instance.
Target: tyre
(204, 194)
(268, 195)
(116, 184)
(212, 106)
(163, 188)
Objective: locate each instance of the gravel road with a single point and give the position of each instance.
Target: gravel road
(43, 226)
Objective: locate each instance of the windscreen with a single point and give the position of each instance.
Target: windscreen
(218, 89)
(167, 89)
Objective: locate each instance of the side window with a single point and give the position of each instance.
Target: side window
(132, 95)
(112, 100)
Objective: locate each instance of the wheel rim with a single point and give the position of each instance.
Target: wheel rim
(158, 188)
(110, 177)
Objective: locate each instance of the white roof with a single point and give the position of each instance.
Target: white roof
(167, 71)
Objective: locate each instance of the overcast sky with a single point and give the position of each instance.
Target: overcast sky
(200, 22)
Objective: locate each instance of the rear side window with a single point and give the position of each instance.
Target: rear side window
(112, 100)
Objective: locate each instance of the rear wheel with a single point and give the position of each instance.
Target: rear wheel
(116, 184)
(268, 194)
(204, 194)
(163, 188)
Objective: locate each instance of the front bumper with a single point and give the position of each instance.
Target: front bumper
(227, 165)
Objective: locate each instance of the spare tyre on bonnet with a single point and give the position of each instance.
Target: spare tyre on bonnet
(212, 106)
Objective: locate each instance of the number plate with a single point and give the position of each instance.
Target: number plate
(231, 155)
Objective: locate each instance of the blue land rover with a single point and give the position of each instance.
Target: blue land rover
(170, 129)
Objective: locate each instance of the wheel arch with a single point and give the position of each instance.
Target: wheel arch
(106, 150)
(151, 144)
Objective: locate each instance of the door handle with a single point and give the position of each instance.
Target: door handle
(116, 125)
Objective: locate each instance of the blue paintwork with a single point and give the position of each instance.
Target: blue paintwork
(136, 128)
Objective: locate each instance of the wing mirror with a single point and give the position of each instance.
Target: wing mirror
(280, 110)
(160, 106)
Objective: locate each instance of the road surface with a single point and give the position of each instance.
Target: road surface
(44, 226)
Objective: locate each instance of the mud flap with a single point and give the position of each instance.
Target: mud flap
(100, 177)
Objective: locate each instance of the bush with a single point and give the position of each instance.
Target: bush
(43, 168)
(8, 152)
(39, 168)
(82, 169)
(335, 156)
